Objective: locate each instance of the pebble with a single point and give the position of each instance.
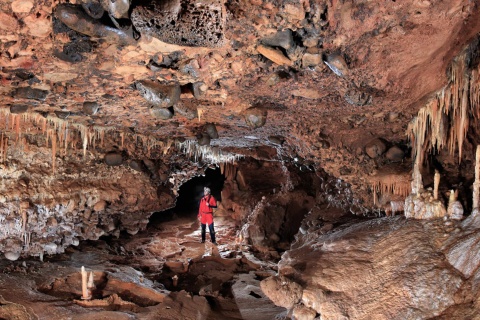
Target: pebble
(255, 117)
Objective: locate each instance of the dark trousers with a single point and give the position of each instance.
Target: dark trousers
(211, 229)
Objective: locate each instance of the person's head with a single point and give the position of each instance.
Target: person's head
(206, 191)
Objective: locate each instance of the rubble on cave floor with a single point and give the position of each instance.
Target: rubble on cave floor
(161, 273)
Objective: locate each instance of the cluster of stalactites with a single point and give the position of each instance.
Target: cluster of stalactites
(392, 184)
(62, 135)
(444, 121)
(206, 153)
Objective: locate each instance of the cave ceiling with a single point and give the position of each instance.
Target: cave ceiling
(310, 81)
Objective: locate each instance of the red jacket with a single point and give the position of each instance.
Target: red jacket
(205, 213)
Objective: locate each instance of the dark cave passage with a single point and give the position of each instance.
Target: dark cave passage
(190, 194)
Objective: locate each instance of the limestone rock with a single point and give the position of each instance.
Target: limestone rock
(186, 108)
(30, 93)
(282, 39)
(100, 206)
(395, 154)
(357, 97)
(251, 301)
(199, 89)
(301, 312)
(282, 291)
(375, 148)
(117, 8)
(337, 64)
(75, 18)
(161, 113)
(197, 23)
(310, 59)
(386, 254)
(274, 55)
(162, 95)
(255, 117)
(39, 24)
(22, 6)
(12, 256)
(7, 22)
(113, 159)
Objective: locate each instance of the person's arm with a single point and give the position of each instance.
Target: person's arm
(212, 202)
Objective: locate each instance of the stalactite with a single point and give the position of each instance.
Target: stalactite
(54, 150)
(451, 108)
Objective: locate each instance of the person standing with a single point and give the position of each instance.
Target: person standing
(205, 214)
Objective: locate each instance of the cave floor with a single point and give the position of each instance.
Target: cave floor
(163, 272)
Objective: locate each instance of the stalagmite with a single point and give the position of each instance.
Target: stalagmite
(476, 183)
(436, 182)
(90, 285)
(85, 295)
(455, 208)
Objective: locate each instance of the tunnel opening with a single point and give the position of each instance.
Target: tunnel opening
(190, 193)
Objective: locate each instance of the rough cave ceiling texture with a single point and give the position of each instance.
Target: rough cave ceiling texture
(101, 99)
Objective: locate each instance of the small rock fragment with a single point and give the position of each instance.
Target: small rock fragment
(186, 109)
(161, 95)
(161, 113)
(276, 139)
(90, 107)
(274, 55)
(22, 6)
(357, 97)
(18, 108)
(30, 93)
(282, 39)
(255, 117)
(199, 89)
(337, 64)
(117, 8)
(309, 59)
(395, 154)
(100, 206)
(77, 20)
(7, 22)
(375, 148)
(12, 256)
(113, 159)
(62, 114)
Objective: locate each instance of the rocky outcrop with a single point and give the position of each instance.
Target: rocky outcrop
(385, 268)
